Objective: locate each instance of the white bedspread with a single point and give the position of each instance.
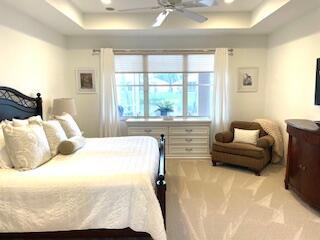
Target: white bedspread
(106, 184)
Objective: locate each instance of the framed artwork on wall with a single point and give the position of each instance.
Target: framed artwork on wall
(86, 80)
(248, 79)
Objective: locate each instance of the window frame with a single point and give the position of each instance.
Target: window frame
(146, 85)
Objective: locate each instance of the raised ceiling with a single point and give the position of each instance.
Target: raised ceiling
(88, 17)
(95, 6)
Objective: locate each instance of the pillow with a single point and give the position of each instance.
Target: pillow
(69, 126)
(35, 119)
(20, 122)
(27, 146)
(55, 135)
(24, 122)
(246, 136)
(71, 145)
(4, 158)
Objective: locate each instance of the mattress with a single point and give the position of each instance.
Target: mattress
(108, 184)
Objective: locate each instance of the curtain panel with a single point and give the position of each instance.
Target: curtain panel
(109, 116)
(221, 98)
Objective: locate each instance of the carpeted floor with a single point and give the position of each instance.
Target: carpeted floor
(229, 203)
(213, 203)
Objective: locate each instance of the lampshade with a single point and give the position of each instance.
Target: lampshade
(64, 105)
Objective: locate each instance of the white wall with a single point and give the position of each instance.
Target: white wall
(32, 57)
(290, 85)
(245, 106)
(136, 41)
(87, 104)
(248, 106)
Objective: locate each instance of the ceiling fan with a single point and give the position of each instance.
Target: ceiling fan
(177, 6)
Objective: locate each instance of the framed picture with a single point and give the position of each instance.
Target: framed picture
(86, 80)
(248, 79)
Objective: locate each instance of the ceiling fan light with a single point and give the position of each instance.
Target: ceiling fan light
(106, 2)
(228, 1)
(160, 19)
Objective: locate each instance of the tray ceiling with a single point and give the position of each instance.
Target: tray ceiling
(95, 6)
(88, 17)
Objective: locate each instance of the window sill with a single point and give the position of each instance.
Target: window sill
(176, 119)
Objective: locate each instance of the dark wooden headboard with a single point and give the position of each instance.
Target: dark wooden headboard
(14, 104)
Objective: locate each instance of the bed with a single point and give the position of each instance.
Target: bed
(112, 187)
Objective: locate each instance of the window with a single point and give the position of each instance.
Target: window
(155, 85)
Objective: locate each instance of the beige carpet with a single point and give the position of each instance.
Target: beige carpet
(224, 203)
(213, 203)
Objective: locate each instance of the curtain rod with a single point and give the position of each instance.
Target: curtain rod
(159, 51)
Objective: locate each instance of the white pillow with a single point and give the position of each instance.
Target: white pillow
(20, 122)
(55, 135)
(35, 119)
(24, 122)
(27, 146)
(4, 158)
(246, 136)
(69, 126)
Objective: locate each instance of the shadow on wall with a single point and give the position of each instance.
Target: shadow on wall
(18, 21)
(298, 29)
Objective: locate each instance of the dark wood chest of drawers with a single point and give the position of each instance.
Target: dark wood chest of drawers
(303, 165)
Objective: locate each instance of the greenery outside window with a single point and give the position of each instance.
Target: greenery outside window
(157, 85)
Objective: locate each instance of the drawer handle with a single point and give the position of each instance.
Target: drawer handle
(148, 130)
(188, 130)
(302, 167)
(188, 139)
(189, 149)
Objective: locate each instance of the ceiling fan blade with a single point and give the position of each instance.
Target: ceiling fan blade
(161, 17)
(198, 3)
(139, 9)
(192, 15)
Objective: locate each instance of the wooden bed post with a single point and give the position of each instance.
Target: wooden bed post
(39, 104)
(161, 183)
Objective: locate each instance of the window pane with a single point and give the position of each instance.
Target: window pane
(200, 63)
(199, 100)
(128, 63)
(165, 78)
(200, 78)
(165, 63)
(129, 78)
(130, 100)
(161, 95)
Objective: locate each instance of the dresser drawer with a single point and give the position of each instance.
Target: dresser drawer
(147, 131)
(189, 130)
(188, 140)
(188, 149)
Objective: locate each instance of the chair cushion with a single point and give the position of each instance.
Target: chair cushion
(242, 149)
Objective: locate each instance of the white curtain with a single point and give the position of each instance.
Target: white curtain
(220, 105)
(109, 116)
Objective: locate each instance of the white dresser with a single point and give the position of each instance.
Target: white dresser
(185, 137)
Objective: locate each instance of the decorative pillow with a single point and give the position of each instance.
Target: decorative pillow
(246, 136)
(71, 145)
(55, 135)
(25, 122)
(69, 126)
(4, 158)
(27, 146)
(20, 122)
(35, 119)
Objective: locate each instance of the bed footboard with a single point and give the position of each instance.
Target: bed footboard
(160, 182)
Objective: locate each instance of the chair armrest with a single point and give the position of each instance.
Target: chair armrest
(224, 137)
(265, 141)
